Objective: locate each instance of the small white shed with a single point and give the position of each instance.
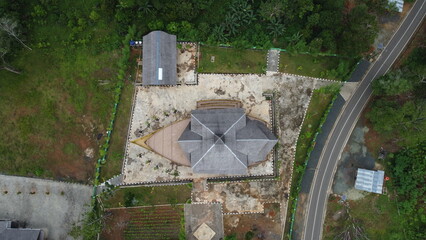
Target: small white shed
(369, 180)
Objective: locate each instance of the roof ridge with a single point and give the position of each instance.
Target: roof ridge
(256, 139)
(235, 155)
(243, 115)
(202, 124)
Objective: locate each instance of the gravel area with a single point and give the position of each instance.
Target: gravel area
(186, 63)
(198, 214)
(273, 61)
(355, 156)
(244, 197)
(43, 204)
(388, 24)
(156, 107)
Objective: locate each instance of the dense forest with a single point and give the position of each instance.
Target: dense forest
(399, 109)
(398, 114)
(335, 26)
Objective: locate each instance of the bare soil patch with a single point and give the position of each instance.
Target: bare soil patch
(388, 24)
(265, 225)
(248, 197)
(186, 63)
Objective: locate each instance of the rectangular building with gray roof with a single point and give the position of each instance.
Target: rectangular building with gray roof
(159, 59)
(10, 232)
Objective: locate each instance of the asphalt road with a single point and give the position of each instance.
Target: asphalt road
(318, 195)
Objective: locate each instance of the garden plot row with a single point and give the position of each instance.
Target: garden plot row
(154, 223)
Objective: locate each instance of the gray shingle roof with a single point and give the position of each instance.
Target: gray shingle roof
(225, 141)
(159, 59)
(9, 233)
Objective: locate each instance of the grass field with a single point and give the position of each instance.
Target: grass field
(231, 60)
(115, 155)
(54, 111)
(376, 214)
(337, 68)
(62, 101)
(143, 196)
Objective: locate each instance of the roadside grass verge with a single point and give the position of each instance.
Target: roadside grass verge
(336, 68)
(231, 60)
(316, 113)
(376, 214)
(146, 196)
(320, 101)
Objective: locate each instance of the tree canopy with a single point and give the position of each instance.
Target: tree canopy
(408, 168)
(323, 25)
(393, 83)
(406, 79)
(405, 122)
(399, 109)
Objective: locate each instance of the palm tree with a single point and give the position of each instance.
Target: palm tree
(231, 23)
(294, 38)
(219, 34)
(276, 28)
(145, 7)
(243, 12)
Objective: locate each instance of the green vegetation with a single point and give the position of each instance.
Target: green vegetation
(48, 110)
(315, 116)
(337, 68)
(231, 237)
(231, 60)
(376, 215)
(64, 66)
(70, 149)
(398, 114)
(59, 72)
(156, 223)
(403, 80)
(408, 168)
(90, 226)
(249, 235)
(308, 25)
(398, 111)
(54, 109)
(123, 66)
(404, 122)
(182, 231)
(143, 196)
(393, 83)
(115, 155)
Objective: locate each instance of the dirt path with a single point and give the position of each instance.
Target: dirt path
(273, 61)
